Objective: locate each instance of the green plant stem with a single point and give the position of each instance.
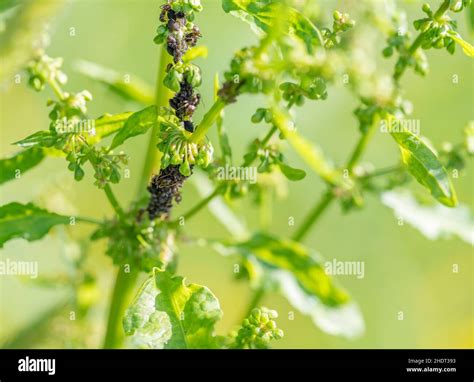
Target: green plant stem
(114, 202)
(313, 216)
(162, 95)
(255, 301)
(125, 283)
(441, 10)
(56, 87)
(360, 147)
(218, 190)
(208, 120)
(269, 135)
(322, 205)
(382, 172)
(88, 220)
(122, 294)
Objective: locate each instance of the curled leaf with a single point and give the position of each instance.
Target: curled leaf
(424, 166)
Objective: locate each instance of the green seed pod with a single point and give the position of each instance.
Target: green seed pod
(388, 51)
(427, 9)
(439, 43)
(115, 175)
(271, 325)
(256, 313)
(278, 334)
(258, 115)
(185, 169)
(268, 116)
(36, 83)
(78, 173)
(337, 15)
(451, 47)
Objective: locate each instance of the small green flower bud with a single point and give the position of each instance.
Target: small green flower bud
(388, 51)
(256, 313)
(271, 325)
(278, 334)
(78, 173)
(185, 169)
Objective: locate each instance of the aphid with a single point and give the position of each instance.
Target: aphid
(164, 188)
(165, 8)
(192, 37)
(188, 126)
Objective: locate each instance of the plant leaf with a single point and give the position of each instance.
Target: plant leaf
(433, 221)
(292, 173)
(192, 309)
(106, 125)
(26, 221)
(182, 317)
(150, 329)
(425, 167)
(125, 85)
(138, 123)
(467, 48)
(291, 256)
(20, 163)
(300, 275)
(41, 138)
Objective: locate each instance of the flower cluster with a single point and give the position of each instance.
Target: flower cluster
(258, 330)
(70, 130)
(437, 30)
(179, 151)
(342, 22)
(138, 242)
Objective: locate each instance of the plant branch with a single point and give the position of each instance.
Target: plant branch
(322, 205)
(122, 294)
(419, 40)
(125, 283)
(360, 147)
(89, 220)
(382, 172)
(114, 202)
(255, 301)
(314, 215)
(208, 120)
(153, 155)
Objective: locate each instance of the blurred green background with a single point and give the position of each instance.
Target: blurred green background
(403, 270)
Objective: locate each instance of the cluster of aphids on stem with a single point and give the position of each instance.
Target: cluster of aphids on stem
(178, 42)
(165, 186)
